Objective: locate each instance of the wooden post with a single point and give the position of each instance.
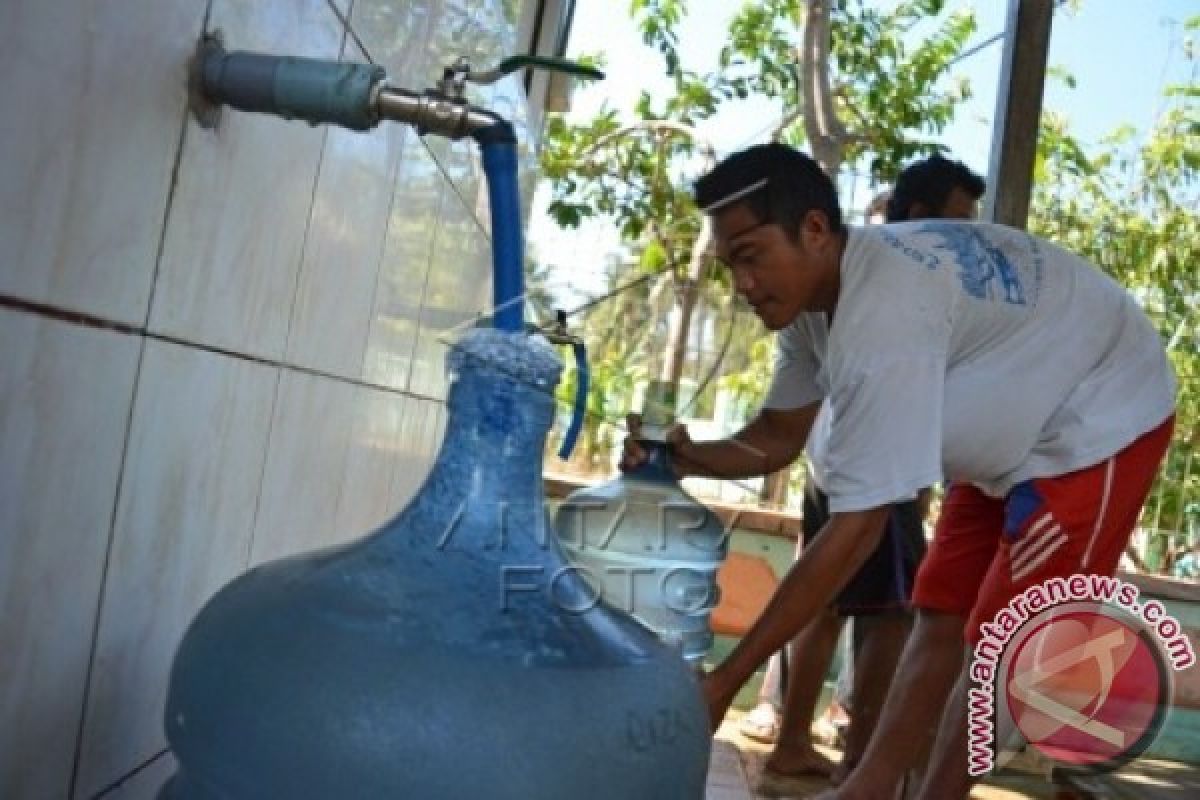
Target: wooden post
(1018, 111)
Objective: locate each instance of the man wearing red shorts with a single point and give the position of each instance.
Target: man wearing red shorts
(966, 351)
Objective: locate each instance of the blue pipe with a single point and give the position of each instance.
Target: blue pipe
(499, 145)
(508, 250)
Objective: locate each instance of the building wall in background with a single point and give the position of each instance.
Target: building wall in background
(217, 347)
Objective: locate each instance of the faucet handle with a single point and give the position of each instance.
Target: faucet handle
(454, 79)
(514, 63)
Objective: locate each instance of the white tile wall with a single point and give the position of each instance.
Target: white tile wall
(365, 500)
(90, 132)
(338, 252)
(462, 164)
(65, 393)
(458, 289)
(404, 267)
(416, 450)
(237, 224)
(183, 526)
(306, 461)
(397, 34)
(340, 268)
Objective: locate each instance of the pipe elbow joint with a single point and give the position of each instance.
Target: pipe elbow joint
(499, 131)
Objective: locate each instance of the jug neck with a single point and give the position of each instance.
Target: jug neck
(491, 458)
(484, 495)
(488, 472)
(657, 467)
(500, 419)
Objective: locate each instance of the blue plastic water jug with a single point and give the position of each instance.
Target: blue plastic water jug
(451, 654)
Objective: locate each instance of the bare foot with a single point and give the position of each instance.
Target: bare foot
(797, 763)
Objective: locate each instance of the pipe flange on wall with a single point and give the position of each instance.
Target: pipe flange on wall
(316, 91)
(206, 112)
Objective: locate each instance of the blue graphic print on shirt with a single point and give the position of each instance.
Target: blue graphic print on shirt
(980, 263)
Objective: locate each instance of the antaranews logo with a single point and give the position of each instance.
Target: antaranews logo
(1076, 667)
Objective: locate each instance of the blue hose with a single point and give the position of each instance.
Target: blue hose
(499, 147)
(582, 379)
(508, 250)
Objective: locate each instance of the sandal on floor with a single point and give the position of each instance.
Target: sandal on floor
(761, 725)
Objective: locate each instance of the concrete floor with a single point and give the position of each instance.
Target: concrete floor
(736, 766)
(726, 775)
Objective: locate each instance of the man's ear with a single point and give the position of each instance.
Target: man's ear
(815, 221)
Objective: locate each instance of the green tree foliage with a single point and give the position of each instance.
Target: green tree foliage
(620, 329)
(1132, 206)
(862, 87)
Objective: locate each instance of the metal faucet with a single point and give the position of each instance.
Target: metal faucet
(352, 95)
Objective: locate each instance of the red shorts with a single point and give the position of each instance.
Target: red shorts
(987, 550)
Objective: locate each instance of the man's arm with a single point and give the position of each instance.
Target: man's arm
(809, 586)
(769, 442)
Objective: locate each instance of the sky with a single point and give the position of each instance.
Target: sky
(1121, 54)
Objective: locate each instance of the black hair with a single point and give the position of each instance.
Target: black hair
(930, 181)
(792, 185)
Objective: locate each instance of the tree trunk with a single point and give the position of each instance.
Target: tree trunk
(826, 135)
(677, 338)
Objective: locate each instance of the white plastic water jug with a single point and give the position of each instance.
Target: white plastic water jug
(648, 548)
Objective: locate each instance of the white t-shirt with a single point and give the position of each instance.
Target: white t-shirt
(818, 445)
(971, 352)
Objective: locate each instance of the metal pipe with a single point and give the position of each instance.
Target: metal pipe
(293, 88)
(432, 113)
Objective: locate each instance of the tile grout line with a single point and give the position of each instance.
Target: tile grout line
(170, 204)
(348, 25)
(89, 321)
(262, 470)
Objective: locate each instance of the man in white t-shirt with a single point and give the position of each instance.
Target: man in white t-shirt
(878, 596)
(962, 351)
